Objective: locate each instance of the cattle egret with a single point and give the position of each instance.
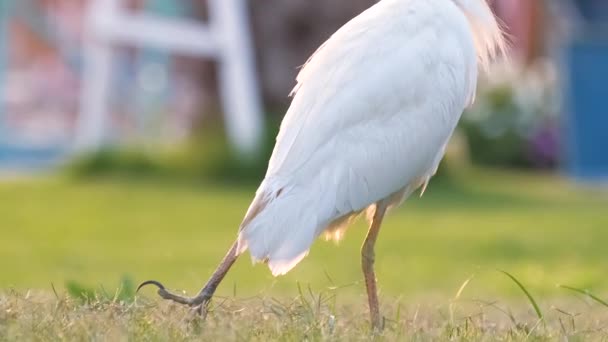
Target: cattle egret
(371, 115)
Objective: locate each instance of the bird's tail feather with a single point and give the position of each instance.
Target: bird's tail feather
(282, 232)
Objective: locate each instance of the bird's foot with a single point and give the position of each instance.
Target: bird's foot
(198, 304)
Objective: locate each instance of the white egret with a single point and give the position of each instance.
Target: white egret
(371, 115)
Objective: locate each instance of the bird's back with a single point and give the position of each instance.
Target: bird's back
(371, 115)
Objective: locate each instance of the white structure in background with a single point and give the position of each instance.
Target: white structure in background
(226, 38)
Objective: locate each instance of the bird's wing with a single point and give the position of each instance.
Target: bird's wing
(373, 109)
(371, 69)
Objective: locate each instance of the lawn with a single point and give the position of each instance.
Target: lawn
(538, 227)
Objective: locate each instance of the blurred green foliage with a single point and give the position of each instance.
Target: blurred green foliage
(495, 140)
(513, 120)
(207, 156)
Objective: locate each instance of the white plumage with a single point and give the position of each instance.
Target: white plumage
(372, 112)
(371, 116)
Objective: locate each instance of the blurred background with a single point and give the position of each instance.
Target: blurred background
(133, 134)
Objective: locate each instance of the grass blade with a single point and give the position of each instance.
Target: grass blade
(539, 313)
(585, 293)
(458, 294)
(462, 287)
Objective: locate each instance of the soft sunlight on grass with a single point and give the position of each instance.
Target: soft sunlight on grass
(538, 228)
(310, 316)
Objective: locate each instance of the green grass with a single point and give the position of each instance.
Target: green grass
(539, 228)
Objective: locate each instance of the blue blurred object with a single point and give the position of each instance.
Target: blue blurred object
(15, 157)
(593, 11)
(586, 112)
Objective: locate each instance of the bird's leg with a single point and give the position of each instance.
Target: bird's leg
(367, 263)
(200, 301)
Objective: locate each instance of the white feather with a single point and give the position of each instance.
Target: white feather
(487, 33)
(370, 118)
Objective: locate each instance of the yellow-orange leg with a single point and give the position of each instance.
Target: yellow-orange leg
(367, 263)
